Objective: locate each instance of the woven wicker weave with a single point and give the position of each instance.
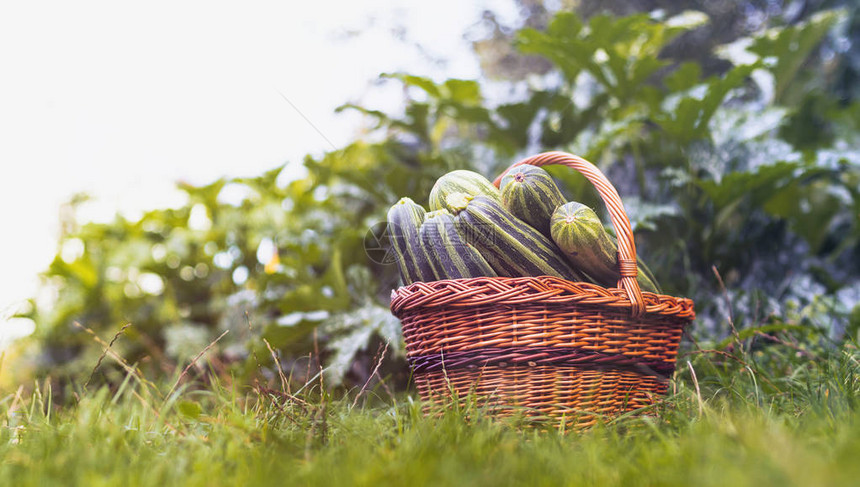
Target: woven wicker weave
(545, 346)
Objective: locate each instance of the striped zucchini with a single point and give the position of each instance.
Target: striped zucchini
(450, 256)
(404, 222)
(580, 234)
(511, 246)
(460, 181)
(530, 193)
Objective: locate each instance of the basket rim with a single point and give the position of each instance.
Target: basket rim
(514, 291)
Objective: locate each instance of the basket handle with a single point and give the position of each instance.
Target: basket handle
(626, 247)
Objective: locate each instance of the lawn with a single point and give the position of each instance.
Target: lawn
(777, 416)
(731, 141)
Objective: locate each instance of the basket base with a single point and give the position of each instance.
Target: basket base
(576, 396)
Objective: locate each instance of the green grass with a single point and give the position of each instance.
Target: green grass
(773, 417)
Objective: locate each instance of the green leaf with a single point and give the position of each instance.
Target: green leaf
(787, 48)
(328, 292)
(382, 118)
(189, 409)
(689, 119)
(809, 208)
(757, 184)
(81, 270)
(462, 91)
(421, 82)
(684, 77)
(353, 331)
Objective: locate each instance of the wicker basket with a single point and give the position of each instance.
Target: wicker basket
(545, 347)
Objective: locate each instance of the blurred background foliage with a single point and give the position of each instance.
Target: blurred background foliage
(730, 129)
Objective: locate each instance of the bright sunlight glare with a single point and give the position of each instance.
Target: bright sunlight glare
(121, 100)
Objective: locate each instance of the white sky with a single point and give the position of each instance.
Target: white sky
(121, 99)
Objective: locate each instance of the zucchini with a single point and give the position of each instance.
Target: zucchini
(580, 234)
(511, 246)
(530, 193)
(404, 222)
(460, 181)
(450, 256)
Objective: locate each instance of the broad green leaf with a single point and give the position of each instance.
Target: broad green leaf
(461, 91)
(757, 184)
(685, 77)
(786, 49)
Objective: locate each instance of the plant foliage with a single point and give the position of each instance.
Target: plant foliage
(752, 172)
